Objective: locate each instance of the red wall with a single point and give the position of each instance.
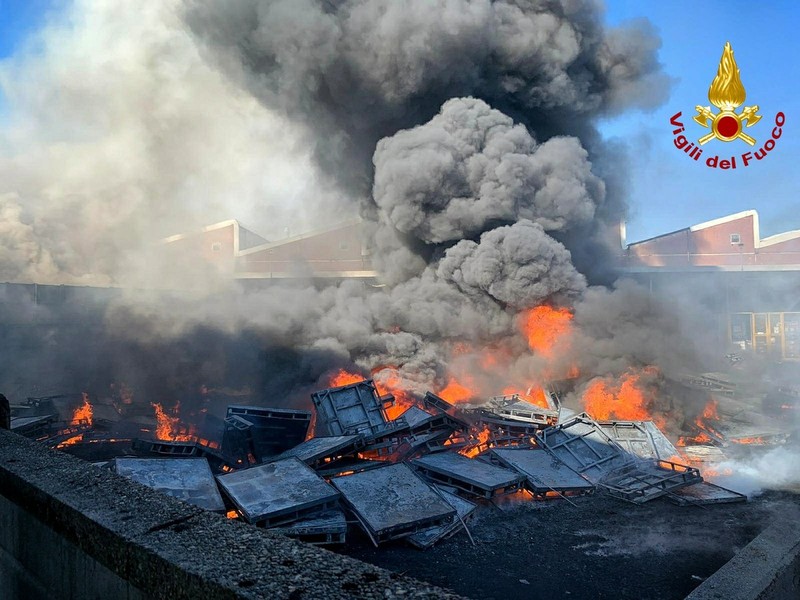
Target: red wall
(332, 251)
(201, 245)
(711, 247)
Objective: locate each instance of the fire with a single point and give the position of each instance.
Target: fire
(344, 378)
(70, 441)
(624, 400)
(168, 427)
(454, 392)
(544, 326)
(750, 440)
(391, 381)
(710, 413)
(388, 380)
(712, 473)
(482, 439)
(83, 414)
(534, 395)
(704, 424)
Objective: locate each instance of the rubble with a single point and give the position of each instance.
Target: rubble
(511, 420)
(407, 477)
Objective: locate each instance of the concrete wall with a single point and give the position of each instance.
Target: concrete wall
(768, 568)
(72, 530)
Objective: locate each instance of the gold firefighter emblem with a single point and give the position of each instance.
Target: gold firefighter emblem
(727, 94)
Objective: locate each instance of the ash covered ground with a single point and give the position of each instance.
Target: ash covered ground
(599, 548)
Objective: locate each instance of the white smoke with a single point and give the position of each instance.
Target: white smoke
(775, 468)
(119, 133)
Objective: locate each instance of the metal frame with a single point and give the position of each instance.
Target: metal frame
(657, 444)
(322, 530)
(351, 409)
(273, 430)
(644, 482)
(607, 454)
(703, 493)
(164, 448)
(268, 490)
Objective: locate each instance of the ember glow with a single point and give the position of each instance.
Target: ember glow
(482, 438)
(83, 414)
(71, 441)
(544, 327)
(706, 425)
(758, 441)
(625, 398)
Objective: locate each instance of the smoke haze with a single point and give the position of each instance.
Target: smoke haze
(462, 132)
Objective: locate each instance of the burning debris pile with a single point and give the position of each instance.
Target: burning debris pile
(416, 469)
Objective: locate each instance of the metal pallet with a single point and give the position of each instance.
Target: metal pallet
(645, 481)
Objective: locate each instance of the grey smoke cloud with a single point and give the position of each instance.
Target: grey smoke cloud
(518, 265)
(437, 121)
(471, 167)
(359, 70)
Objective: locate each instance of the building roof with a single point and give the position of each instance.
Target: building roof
(759, 241)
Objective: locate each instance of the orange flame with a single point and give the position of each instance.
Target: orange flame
(534, 395)
(482, 439)
(544, 326)
(623, 400)
(391, 381)
(454, 392)
(70, 441)
(750, 440)
(704, 422)
(344, 378)
(83, 414)
(168, 427)
(726, 91)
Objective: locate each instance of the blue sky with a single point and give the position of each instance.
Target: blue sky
(669, 191)
(17, 18)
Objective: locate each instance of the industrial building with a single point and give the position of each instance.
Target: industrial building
(338, 251)
(751, 283)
